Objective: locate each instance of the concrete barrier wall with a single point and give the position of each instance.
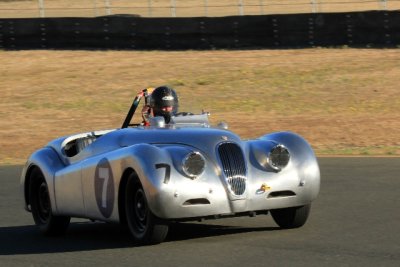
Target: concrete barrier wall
(357, 29)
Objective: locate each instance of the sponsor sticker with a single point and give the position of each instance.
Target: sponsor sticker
(168, 97)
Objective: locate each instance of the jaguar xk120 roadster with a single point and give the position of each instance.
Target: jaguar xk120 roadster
(146, 177)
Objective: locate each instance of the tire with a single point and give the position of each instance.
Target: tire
(144, 226)
(49, 224)
(291, 217)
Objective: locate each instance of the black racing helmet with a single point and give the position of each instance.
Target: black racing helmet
(164, 102)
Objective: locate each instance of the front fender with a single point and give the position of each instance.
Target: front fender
(302, 158)
(167, 189)
(154, 169)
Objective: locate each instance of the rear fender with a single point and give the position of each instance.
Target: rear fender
(48, 161)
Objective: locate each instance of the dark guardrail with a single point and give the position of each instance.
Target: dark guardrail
(353, 29)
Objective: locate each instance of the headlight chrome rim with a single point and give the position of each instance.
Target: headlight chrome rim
(278, 157)
(189, 164)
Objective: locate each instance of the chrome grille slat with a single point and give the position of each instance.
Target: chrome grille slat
(233, 166)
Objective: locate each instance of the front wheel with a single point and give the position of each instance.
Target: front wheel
(291, 217)
(41, 207)
(145, 227)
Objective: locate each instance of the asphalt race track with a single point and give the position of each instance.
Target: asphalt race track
(354, 222)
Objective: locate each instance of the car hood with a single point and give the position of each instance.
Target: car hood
(201, 138)
(198, 137)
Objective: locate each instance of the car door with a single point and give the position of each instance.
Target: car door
(68, 191)
(99, 188)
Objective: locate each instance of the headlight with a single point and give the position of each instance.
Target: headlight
(278, 157)
(193, 164)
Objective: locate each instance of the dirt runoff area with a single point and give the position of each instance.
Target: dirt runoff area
(343, 101)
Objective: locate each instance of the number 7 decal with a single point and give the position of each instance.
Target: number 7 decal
(104, 187)
(167, 176)
(104, 174)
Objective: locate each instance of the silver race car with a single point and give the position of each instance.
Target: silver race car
(146, 177)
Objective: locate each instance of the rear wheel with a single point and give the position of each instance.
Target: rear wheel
(291, 217)
(41, 207)
(145, 227)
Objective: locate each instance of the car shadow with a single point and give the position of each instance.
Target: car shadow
(186, 231)
(20, 240)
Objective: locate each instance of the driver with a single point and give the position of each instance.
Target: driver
(163, 101)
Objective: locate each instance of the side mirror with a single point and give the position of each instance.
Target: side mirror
(158, 122)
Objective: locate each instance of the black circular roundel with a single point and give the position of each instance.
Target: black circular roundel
(104, 187)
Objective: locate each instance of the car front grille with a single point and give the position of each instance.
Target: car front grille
(234, 167)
